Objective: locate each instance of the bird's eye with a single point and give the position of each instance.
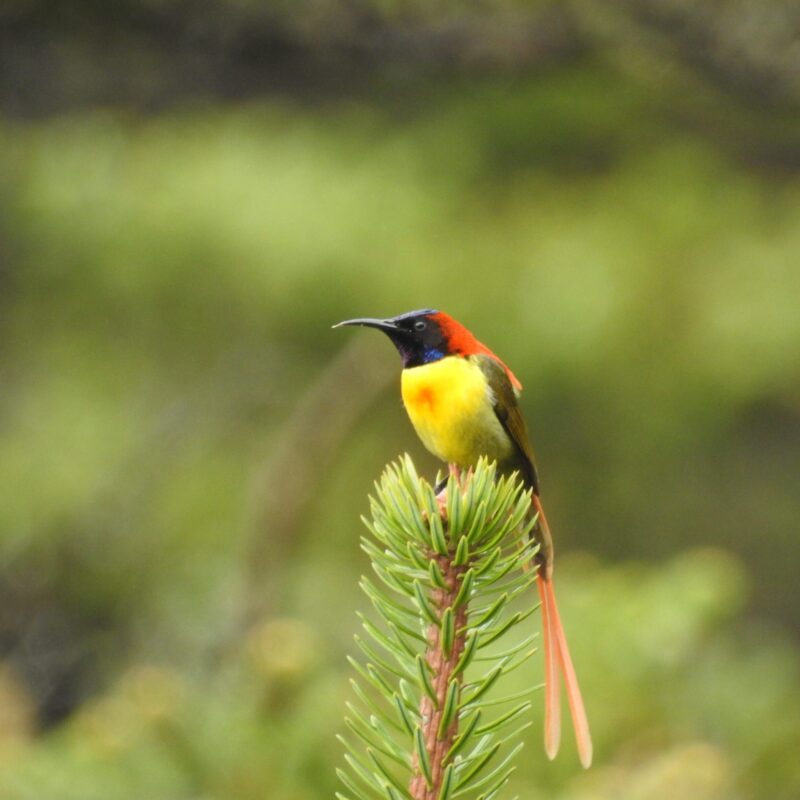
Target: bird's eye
(420, 325)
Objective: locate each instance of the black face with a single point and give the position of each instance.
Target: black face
(416, 335)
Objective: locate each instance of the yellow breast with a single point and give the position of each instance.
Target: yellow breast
(451, 408)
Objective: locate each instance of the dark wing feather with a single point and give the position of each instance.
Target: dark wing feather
(507, 410)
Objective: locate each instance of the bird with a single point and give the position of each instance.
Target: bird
(462, 401)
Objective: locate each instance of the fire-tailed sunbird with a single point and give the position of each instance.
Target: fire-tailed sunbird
(462, 401)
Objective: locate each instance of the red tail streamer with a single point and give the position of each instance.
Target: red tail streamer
(577, 710)
(557, 660)
(552, 699)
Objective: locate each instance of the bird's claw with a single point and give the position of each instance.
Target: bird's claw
(441, 496)
(441, 503)
(441, 506)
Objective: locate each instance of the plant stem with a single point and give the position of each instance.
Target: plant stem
(442, 665)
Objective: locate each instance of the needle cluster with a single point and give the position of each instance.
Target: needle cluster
(428, 724)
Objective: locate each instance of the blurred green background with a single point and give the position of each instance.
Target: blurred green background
(191, 194)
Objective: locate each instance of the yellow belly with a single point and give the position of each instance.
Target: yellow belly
(451, 408)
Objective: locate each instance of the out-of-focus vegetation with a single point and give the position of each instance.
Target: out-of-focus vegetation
(186, 446)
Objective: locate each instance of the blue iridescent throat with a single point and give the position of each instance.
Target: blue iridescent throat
(432, 354)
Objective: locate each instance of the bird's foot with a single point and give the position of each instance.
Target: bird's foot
(441, 503)
(441, 487)
(454, 471)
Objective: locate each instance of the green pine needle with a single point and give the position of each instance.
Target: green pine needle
(442, 593)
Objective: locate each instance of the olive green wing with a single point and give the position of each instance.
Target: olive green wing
(507, 410)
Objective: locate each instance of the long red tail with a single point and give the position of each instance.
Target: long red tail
(552, 694)
(558, 659)
(558, 662)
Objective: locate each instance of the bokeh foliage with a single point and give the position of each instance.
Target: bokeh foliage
(185, 446)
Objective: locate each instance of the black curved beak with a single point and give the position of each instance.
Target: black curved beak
(385, 325)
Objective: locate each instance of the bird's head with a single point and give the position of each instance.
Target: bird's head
(424, 336)
(417, 335)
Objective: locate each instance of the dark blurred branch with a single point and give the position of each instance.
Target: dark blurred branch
(291, 476)
(150, 54)
(747, 49)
